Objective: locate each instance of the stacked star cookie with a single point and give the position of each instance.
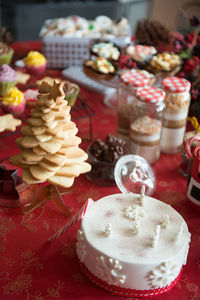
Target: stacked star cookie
(50, 148)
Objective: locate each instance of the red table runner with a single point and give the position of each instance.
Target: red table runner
(31, 268)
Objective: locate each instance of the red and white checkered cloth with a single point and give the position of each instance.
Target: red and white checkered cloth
(150, 94)
(135, 78)
(176, 85)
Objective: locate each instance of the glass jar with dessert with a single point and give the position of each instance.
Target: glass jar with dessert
(174, 120)
(146, 122)
(129, 82)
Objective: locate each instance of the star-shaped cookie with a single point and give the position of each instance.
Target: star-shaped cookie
(8, 122)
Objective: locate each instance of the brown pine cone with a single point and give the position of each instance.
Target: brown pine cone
(151, 32)
(5, 36)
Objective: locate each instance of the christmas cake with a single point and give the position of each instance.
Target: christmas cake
(133, 245)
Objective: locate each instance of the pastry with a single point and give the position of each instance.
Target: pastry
(8, 79)
(35, 62)
(50, 148)
(13, 102)
(6, 54)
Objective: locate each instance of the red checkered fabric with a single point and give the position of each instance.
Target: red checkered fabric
(150, 94)
(176, 85)
(135, 78)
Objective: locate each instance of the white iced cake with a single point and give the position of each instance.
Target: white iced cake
(133, 245)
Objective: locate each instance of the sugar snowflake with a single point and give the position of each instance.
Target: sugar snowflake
(110, 270)
(162, 275)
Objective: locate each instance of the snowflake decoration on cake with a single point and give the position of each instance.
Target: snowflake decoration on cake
(162, 275)
(110, 270)
(80, 247)
(133, 212)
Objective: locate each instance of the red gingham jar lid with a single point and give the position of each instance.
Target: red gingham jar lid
(135, 78)
(150, 94)
(176, 85)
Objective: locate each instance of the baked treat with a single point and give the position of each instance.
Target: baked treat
(6, 54)
(22, 78)
(101, 65)
(106, 49)
(71, 91)
(50, 148)
(165, 62)
(13, 102)
(8, 122)
(133, 245)
(75, 26)
(35, 62)
(103, 156)
(8, 79)
(141, 53)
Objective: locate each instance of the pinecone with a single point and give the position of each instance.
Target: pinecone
(5, 36)
(151, 32)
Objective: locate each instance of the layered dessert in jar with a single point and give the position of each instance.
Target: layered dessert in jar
(129, 82)
(146, 123)
(133, 245)
(174, 121)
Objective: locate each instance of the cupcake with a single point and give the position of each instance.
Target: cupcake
(8, 79)
(14, 102)
(35, 62)
(6, 54)
(71, 91)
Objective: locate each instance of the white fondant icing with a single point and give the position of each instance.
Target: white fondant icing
(109, 270)
(137, 258)
(162, 275)
(178, 233)
(80, 247)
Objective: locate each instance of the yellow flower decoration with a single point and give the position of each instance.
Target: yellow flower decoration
(34, 58)
(14, 96)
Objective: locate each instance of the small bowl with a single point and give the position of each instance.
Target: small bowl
(102, 172)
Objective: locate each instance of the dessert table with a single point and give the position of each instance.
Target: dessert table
(32, 267)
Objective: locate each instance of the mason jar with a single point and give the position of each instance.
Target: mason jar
(176, 111)
(129, 82)
(146, 122)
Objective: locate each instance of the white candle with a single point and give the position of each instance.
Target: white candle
(135, 226)
(155, 236)
(165, 221)
(107, 230)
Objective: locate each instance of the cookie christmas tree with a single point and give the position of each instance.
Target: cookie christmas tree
(49, 146)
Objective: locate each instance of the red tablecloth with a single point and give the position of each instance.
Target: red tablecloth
(31, 268)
